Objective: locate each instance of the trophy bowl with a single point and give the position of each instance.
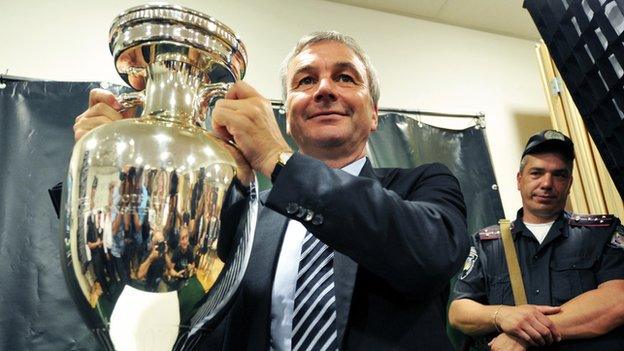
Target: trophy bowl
(156, 227)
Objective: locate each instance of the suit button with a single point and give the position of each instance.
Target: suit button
(301, 212)
(308, 216)
(536, 291)
(292, 208)
(318, 219)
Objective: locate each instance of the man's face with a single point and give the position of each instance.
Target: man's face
(184, 239)
(544, 185)
(329, 105)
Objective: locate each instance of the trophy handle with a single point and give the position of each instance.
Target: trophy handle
(209, 94)
(130, 100)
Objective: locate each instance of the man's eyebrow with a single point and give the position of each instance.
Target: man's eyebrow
(339, 66)
(304, 69)
(347, 65)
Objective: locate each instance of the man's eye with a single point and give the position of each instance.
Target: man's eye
(345, 78)
(306, 81)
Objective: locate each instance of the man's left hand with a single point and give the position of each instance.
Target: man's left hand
(246, 117)
(507, 342)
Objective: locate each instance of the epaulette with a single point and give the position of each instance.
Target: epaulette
(591, 220)
(492, 232)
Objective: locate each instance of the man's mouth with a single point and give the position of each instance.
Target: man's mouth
(543, 197)
(329, 113)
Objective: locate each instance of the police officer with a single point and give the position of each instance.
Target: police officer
(572, 267)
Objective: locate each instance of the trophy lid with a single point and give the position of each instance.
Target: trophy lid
(147, 33)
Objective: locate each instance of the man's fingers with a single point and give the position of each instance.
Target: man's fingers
(101, 109)
(103, 96)
(536, 336)
(241, 90)
(548, 309)
(526, 337)
(546, 322)
(544, 331)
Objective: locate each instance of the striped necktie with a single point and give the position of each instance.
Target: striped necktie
(314, 318)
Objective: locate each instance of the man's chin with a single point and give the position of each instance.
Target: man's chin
(548, 212)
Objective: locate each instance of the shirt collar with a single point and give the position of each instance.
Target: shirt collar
(355, 167)
(519, 226)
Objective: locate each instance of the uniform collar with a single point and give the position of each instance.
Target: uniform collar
(557, 229)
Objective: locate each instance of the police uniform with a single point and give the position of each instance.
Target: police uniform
(579, 253)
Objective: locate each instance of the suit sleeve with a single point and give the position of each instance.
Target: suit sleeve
(415, 240)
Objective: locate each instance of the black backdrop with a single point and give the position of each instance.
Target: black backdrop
(36, 139)
(584, 39)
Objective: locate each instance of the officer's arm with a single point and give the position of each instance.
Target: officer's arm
(527, 322)
(592, 313)
(471, 317)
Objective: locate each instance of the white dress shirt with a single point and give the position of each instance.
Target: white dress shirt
(283, 294)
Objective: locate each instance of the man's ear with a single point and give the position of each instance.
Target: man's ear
(374, 118)
(518, 176)
(287, 116)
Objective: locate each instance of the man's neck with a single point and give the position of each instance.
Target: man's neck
(336, 160)
(531, 218)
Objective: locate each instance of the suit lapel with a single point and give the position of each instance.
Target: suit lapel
(345, 271)
(270, 229)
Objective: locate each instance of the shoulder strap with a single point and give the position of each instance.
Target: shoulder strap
(515, 274)
(591, 220)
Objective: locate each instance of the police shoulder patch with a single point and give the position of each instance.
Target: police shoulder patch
(617, 240)
(490, 233)
(591, 220)
(470, 263)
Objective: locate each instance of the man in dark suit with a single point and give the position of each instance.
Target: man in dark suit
(344, 255)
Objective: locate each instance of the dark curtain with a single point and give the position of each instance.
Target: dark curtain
(402, 141)
(36, 139)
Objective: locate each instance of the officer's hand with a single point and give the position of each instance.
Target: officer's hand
(507, 343)
(529, 323)
(103, 108)
(246, 117)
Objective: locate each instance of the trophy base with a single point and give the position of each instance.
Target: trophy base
(145, 320)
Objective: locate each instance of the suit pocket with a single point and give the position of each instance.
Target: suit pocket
(570, 277)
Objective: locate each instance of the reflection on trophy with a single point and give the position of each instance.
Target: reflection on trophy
(149, 251)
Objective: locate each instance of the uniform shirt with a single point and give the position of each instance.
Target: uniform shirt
(571, 260)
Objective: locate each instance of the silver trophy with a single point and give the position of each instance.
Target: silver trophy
(156, 228)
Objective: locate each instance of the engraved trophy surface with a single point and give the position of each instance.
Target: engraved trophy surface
(152, 250)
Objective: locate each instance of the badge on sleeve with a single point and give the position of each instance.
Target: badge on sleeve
(470, 262)
(617, 240)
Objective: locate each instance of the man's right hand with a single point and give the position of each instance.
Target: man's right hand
(103, 108)
(529, 323)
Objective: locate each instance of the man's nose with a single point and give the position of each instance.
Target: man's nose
(325, 91)
(547, 181)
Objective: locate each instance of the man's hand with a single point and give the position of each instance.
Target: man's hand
(246, 117)
(505, 342)
(103, 108)
(529, 323)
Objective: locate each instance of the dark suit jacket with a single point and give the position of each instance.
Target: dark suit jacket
(399, 236)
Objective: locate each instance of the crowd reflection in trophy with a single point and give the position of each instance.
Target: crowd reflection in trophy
(121, 247)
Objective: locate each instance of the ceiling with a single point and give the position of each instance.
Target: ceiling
(505, 17)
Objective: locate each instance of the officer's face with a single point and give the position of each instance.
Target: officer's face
(544, 185)
(329, 105)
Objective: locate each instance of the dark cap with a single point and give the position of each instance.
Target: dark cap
(548, 141)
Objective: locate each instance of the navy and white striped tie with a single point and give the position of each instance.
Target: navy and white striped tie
(314, 318)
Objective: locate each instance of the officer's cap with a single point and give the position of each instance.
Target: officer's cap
(549, 141)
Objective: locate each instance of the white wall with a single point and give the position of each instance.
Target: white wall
(422, 65)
